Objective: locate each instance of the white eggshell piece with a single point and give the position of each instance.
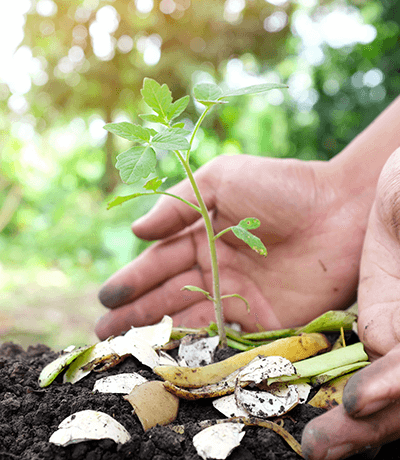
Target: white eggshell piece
(263, 367)
(141, 350)
(194, 352)
(107, 351)
(218, 441)
(304, 390)
(120, 383)
(155, 335)
(89, 425)
(228, 406)
(164, 359)
(265, 404)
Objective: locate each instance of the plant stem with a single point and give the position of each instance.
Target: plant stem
(211, 244)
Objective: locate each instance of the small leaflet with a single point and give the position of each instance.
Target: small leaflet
(89, 425)
(195, 352)
(120, 383)
(218, 441)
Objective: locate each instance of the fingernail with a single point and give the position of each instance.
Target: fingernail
(114, 296)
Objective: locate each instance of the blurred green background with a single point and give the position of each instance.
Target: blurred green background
(69, 66)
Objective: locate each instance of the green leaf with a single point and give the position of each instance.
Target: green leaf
(122, 199)
(241, 232)
(197, 289)
(254, 89)
(171, 139)
(250, 223)
(178, 107)
(153, 184)
(129, 131)
(153, 118)
(208, 93)
(331, 320)
(157, 97)
(178, 125)
(136, 163)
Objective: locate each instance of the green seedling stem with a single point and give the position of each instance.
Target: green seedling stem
(140, 161)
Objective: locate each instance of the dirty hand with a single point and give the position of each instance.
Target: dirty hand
(312, 230)
(370, 414)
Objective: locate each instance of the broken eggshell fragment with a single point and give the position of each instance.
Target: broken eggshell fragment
(263, 404)
(155, 335)
(89, 425)
(262, 368)
(218, 441)
(120, 383)
(195, 352)
(109, 353)
(153, 404)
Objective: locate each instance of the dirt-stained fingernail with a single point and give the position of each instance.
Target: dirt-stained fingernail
(115, 296)
(351, 395)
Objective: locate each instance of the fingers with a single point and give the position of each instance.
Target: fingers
(335, 435)
(170, 215)
(369, 416)
(167, 299)
(379, 287)
(374, 387)
(158, 263)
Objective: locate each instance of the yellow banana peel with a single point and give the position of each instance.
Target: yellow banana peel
(330, 394)
(292, 348)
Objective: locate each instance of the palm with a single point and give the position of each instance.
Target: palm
(308, 268)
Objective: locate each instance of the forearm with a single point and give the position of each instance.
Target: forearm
(357, 168)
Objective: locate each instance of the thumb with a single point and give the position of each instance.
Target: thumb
(170, 215)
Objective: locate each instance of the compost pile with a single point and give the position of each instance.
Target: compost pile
(29, 415)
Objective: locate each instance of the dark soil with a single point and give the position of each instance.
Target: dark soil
(30, 414)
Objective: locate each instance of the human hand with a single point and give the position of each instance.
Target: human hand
(312, 230)
(370, 415)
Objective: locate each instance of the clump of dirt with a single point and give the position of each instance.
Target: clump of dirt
(30, 414)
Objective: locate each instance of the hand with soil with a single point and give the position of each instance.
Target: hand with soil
(300, 209)
(313, 221)
(370, 413)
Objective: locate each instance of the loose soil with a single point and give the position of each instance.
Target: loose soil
(30, 414)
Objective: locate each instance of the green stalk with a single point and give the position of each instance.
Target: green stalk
(211, 244)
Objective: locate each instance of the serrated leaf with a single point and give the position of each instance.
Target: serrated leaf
(254, 89)
(152, 118)
(207, 93)
(136, 163)
(153, 184)
(157, 97)
(251, 240)
(178, 107)
(122, 199)
(129, 131)
(171, 139)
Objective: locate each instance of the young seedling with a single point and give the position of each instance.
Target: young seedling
(139, 162)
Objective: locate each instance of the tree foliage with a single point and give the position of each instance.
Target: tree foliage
(54, 210)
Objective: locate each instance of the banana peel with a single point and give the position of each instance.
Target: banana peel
(330, 393)
(292, 348)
